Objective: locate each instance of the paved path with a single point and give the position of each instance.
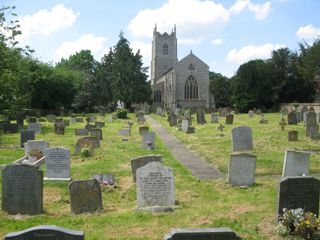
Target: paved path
(198, 166)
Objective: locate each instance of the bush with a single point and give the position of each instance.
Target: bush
(122, 113)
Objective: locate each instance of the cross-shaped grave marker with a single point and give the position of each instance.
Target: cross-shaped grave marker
(220, 128)
(282, 123)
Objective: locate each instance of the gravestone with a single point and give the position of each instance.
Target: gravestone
(72, 120)
(229, 119)
(79, 120)
(284, 111)
(66, 123)
(185, 125)
(124, 132)
(142, 161)
(81, 132)
(9, 127)
(187, 116)
(202, 234)
(292, 136)
(242, 168)
(140, 118)
(214, 118)
(57, 164)
(20, 119)
(92, 119)
(298, 116)
(85, 196)
(87, 142)
(172, 119)
(304, 110)
(51, 118)
(311, 124)
(22, 190)
(26, 135)
(96, 132)
(298, 192)
(46, 232)
(89, 126)
(110, 118)
(262, 120)
(143, 130)
(241, 139)
(105, 179)
(224, 112)
(296, 163)
(159, 111)
(155, 188)
(39, 145)
(292, 118)
(251, 114)
(32, 120)
(311, 109)
(99, 124)
(191, 129)
(258, 112)
(201, 116)
(149, 140)
(36, 127)
(59, 129)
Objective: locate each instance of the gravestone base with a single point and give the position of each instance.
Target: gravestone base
(263, 122)
(155, 209)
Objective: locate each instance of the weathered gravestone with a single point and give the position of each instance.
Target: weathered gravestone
(142, 161)
(85, 196)
(304, 110)
(262, 120)
(155, 188)
(296, 163)
(292, 136)
(46, 232)
(214, 118)
(26, 135)
(99, 124)
(8, 127)
(201, 116)
(106, 179)
(298, 192)
(57, 164)
(96, 132)
(22, 190)
(32, 120)
(110, 118)
(79, 119)
(241, 139)
(59, 129)
(242, 169)
(72, 120)
(185, 125)
(172, 119)
(284, 111)
(159, 111)
(34, 150)
(36, 127)
(292, 118)
(311, 109)
(89, 126)
(202, 234)
(81, 132)
(143, 130)
(87, 142)
(92, 119)
(124, 132)
(224, 112)
(51, 118)
(298, 116)
(187, 116)
(229, 119)
(149, 140)
(251, 114)
(140, 118)
(311, 124)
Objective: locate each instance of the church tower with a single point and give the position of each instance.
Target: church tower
(164, 53)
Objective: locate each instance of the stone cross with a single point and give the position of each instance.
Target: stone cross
(220, 128)
(282, 124)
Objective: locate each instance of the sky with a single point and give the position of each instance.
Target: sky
(223, 33)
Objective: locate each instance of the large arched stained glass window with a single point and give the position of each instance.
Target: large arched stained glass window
(191, 88)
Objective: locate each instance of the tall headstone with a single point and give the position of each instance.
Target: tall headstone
(229, 119)
(22, 190)
(202, 234)
(96, 132)
(296, 163)
(242, 168)
(149, 140)
(201, 116)
(292, 118)
(46, 232)
(26, 135)
(311, 124)
(155, 188)
(298, 192)
(185, 125)
(214, 118)
(58, 164)
(142, 161)
(143, 130)
(251, 114)
(172, 119)
(187, 116)
(85, 196)
(304, 110)
(241, 139)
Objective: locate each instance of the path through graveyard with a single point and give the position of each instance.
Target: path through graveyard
(197, 165)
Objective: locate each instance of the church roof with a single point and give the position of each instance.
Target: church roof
(191, 55)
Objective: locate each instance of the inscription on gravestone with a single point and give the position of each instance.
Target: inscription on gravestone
(142, 161)
(22, 188)
(57, 163)
(299, 192)
(296, 163)
(241, 139)
(242, 168)
(202, 234)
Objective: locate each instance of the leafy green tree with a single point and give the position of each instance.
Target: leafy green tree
(220, 88)
(129, 78)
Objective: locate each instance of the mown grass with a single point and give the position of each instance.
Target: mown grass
(200, 204)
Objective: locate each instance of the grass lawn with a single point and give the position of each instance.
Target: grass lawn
(250, 212)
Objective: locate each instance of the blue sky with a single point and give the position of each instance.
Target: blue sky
(224, 34)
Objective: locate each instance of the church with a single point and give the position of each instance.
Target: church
(177, 84)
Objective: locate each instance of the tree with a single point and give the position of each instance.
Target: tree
(129, 78)
(220, 88)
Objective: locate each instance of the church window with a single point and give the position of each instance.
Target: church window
(191, 88)
(157, 96)
(191, 66)
(165, 49)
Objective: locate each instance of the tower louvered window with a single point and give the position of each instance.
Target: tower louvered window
(191, 88)
(165, 49)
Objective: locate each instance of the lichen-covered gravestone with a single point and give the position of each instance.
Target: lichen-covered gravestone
(26, 135)
(241, 139)
(96, 132)
(87, 142)
(242, 169)
(202, 234)
(155, 188)
(36, 127)
(229, 119)
(292, 118)
(22, 190)
(201, 116)
(149, 140)
(57, 164)
(85, 196)
(296, 163)
(311, 124)
(81, 132)
(292, 136)
(214, 118)
(142, 161)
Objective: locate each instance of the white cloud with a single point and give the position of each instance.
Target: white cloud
(261, 11)
(217, 41)
(251, 52)
(97, 45)
(308, 32)
(194, 18)
(239, 6)
(46, 22)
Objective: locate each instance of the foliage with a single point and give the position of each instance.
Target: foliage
(122, 113)
(86, 152)
(220, 88)
(298, 222)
